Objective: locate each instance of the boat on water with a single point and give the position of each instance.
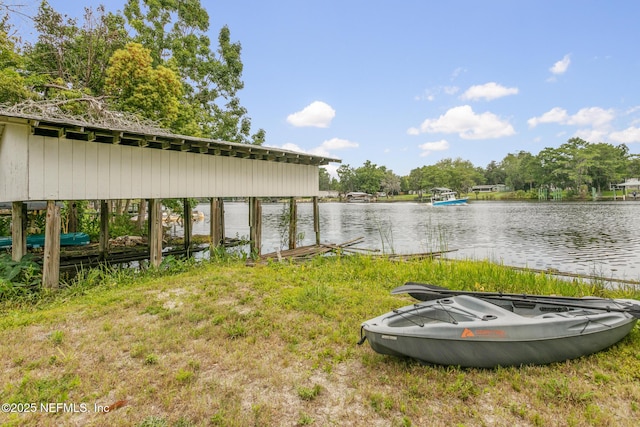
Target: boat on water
(358, 197)
(486, 330)
(441, 196)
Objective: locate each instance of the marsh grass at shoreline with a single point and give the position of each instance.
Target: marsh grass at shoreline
(219, 343)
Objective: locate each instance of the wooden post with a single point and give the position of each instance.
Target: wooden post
(155, 232)
(187, 226)
(73, 217)
(142, 211)
(293, 222)
(316, 219)
(255, 225)
(51, 263)
(103, 248)
(18, 230)
(217, 221)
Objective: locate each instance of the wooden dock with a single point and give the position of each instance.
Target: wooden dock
(305, 252)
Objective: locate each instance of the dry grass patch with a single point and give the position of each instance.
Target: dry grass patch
(228, 345)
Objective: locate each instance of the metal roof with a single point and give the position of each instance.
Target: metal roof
(157, 139)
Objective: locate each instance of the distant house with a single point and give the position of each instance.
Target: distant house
(628, 184)
(491, 188)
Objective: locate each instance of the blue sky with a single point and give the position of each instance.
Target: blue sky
(406, 83)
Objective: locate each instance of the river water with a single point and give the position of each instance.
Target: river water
(590, 238)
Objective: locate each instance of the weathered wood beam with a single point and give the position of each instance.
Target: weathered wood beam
(201, 148)
(293, 222)
(316, 219)
(155, 232)
(217, 221)
(103, 243)
(187, 225)
(18, 230)
(162, 145)
(81, 135)
(47, 130)
(255, 226)
(108, 137)
(51, 262)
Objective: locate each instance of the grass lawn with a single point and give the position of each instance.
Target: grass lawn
(220, 343)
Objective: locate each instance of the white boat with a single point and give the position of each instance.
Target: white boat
(358, 197)
(441, 196)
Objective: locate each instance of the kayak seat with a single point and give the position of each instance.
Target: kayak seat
(552, 316)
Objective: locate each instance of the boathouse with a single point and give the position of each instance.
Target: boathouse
(47, 159)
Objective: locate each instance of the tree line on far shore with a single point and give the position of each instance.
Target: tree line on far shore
(576, 165)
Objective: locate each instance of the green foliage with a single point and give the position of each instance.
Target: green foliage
(175, 35)
(295, 346)
(309, 393)
(154, 421)
(575, 165)
(57, 337)
(43, 389)
(71, 55)
(122, 225)
(5, 225)
(136, 86)
(12, 84)
(369, 178)
(19, 278)
(184, 376)
(459, 175)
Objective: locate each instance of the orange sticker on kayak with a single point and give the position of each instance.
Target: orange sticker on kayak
(468, 333)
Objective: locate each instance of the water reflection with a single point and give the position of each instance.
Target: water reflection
(599, 238)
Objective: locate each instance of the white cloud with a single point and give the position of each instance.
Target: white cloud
(450, 90)
(594, 117)
(488, 91)
(429, 147)
(332, 169)
(627, 136)
(413, 131)
(591, 135)
(555, 115)
(457, 72)
(338, 144)
(431, 94)
(291, 147)
(323, 149)
(468, 125)
(317, 114)
(561, 66)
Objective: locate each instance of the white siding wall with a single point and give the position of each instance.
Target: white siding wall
(44, 168)
(13, 162)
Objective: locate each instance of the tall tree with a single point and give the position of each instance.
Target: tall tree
(138, 87)
(391, 183)
(633, 166)
(71, 56)
(608, 164)
(494, 173)
(12, 84)
(369, 176)
(518, 170)
(174, 31)
(324, 180)
(346, 174)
